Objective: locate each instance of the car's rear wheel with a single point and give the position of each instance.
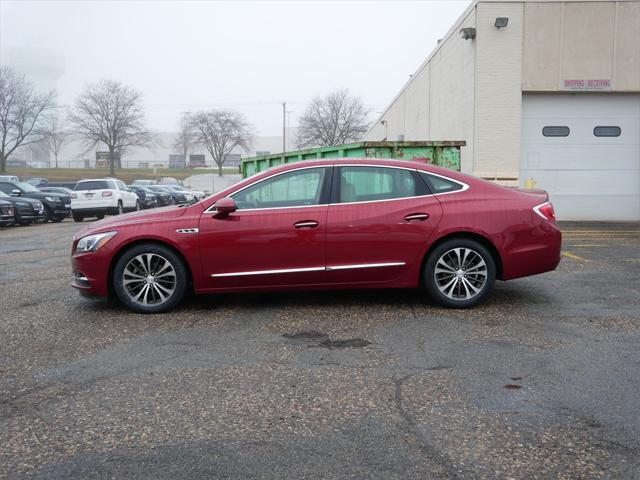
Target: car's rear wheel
(57, 219)
(150, 278)
(459, 273)
(77, 218)
(100, 216)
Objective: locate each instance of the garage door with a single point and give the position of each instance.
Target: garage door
(584, 149)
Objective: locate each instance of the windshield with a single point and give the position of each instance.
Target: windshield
(26, 187)
(158, 188)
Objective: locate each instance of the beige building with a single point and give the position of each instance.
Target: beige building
(545, 93)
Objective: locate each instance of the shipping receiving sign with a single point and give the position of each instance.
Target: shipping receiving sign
(586, 84)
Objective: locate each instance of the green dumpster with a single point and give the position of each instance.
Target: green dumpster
(442, 153)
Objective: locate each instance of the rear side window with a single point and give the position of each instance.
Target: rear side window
(439, 184)
(612, 131)
(366, 184)
(93, 185)
(555, 131)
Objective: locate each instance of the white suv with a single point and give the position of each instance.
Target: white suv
(101, 196)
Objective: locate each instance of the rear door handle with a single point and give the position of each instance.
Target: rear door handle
(416, 217)
(306, 224)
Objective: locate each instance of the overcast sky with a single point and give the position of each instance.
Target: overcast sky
(251, 56)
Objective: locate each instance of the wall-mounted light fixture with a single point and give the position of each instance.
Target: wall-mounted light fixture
(468, 33)
(501, 22)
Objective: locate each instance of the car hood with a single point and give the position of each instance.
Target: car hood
(23, 200)
(40, 195)
(133, 218)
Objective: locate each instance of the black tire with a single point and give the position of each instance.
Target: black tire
(459, 290)
(181, 278)
(57, 219)
(25, 223)
(100, 216)
(120, 208)
(48, 215)
(77, 218)
(138, 207)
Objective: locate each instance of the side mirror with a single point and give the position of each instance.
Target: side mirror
(224, 207)
(15, 192)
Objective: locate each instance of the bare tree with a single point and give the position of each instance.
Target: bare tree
(21, 113)
(220, 132)
(55, 134)
(334, 119)
(110, 113)
(186, 139)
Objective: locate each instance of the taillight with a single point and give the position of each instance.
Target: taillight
(545, 210)
(74, 195)
(107, 194)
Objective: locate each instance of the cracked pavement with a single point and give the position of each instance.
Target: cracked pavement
(541, 381)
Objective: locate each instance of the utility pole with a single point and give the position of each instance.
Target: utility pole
(284, 127)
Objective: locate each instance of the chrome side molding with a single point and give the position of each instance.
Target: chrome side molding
(309, 269)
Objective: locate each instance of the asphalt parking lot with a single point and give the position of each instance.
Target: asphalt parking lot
(542, 381)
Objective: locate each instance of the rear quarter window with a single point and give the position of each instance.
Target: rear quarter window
(440, 185)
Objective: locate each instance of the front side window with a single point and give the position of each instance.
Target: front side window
(292, 189)
(366, 184)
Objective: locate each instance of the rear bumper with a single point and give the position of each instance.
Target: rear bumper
(538, 253)
(92, 212)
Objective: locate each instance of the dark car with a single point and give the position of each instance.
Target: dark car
(60, 190)
(25, 210)
(37, 181)
(7, 213)
(148, 199)
(178, 197)
(164, 197)
(56, 206)
(68, 185)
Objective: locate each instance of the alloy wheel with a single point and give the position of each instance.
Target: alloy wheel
(460, 273)
(149, 279)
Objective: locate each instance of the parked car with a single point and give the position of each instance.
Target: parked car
(197, 194)
(69, 185)
(147, 198)
(168, 181)
(164, 198)
(101, 196)
(178, 197)
(7, 213)
(37, 181)
(26, 210)
(62, 190)
(144, 183)
(369, 223)
(56, 206)
(9, 178)
(188, 194)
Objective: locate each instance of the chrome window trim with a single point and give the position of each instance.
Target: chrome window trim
(464, 188)
(209, 210)
(308, 269)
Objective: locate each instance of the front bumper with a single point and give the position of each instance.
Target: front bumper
(91, 273)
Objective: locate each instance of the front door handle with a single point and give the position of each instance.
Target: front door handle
(306, 224)
(416, 217)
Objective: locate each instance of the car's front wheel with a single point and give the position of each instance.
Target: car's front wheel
(459, 273)
(150, 278)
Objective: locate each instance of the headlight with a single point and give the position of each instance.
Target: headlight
(91, 243)
(51, 199)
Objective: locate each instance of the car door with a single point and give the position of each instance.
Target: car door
(378, 224)
(275, 238)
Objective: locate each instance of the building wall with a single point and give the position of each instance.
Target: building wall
(580, 41)
(472, 89)
(437, 103)
(498, 91)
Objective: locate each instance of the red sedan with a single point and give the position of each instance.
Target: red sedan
(325, 224)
